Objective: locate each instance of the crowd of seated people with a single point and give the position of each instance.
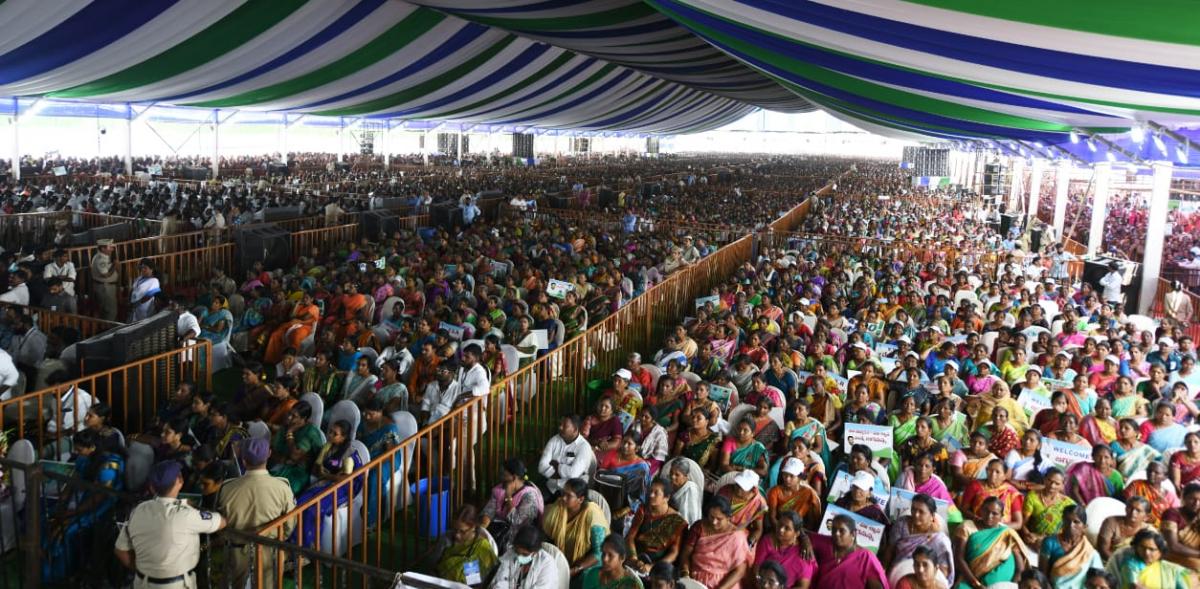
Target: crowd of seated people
(836, 418)
(841, 419)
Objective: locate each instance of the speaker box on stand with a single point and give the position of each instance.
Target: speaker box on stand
(264, 243)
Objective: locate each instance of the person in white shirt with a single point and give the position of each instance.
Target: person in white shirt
(567, 455)
(473, 378)
(187, 326)
(63, 268)
(9, 377)
(439, 395)
(1111, 284)
(18, 292)
(526, 565)
(399, 354)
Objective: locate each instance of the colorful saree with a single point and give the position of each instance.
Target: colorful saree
(1133, 460)
(575, 536)
(748, 456)
(1097, 431)
(1085, 482)
(1160, 501)
(851, 570)
(701, 452)
(1133, 571)
(714, 554)
(655, 535)
(745, 511)
(957, 429)
(1188, 534)
(455, 559)
(1044, 519)
(1068, 568)
(990, 554)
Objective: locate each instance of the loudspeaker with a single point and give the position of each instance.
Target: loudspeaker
(195, 173)
(522, 145)
(273, 214)
(342, 166)
(608, 198)
(1007, 222)
(380, 222)
(446, 215)
(115, 232)
(133, 392)
(277, 169)
(395, 203)
(264, 243)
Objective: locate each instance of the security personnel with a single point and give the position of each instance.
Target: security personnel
(252, 501)
(161, 542)
(103, 269)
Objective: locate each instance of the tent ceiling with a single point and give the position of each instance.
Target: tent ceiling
(927, 69)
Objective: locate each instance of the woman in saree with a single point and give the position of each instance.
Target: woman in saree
(1068, 431)
(611, 573)
(672, 396)
(974, 460)
(624, 399)
(625, 461)
(656, 532)
(766, 431)
(305, 316)
(1002, 437)
(1181, 528)
(1185, 464)
(1131, 453)
(948, 423)
(1153, 491)
(994, 486)
(1162, 432)
(1048, 421)
(1126, 402)
(742, 452)
(577, 526)
(1098, 478)
(465, 551)
(1001, 397)
(1025, 463)
(143, 291)
(699, 443)
(216, 322)
(294, 447)
(716, 553)
(804, 425)
(904, 420)
(1067, 556)
(858, 403)
(277, 313)
(379, 434)
(993, 554)
(513, 503)
(603, 428)
(1100, 427)
(335, 462)
(919, 528)
(1141, 565)
(1044, 508)
(789, 548)
(922, 443)
(850, 567)
(793, 495)
(688, 496)
(921, 477)
(860, 499)
(1117, 531)
(360, 383)
(225, 431)
(76, 514)
(748, 507)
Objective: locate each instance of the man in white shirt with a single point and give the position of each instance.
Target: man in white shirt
(439, 395)
(567, 455)
(9, 377)
(1111, 284)
(18, 293)
(63, 268)
(473, 379)
(187, 326)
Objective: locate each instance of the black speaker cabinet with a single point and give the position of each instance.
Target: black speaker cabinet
(1006, 223)
(379, 223)
(273, 214)
(1098, 267)
(133, 392)
(264, 243)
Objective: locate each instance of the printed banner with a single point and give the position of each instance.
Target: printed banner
(1064, 454)
(841, 486)
(499, 269)
(900, 502)
(1055, 384)
(455, 332)
(60, 171)
(1033, 402)
(558, 288)
(720, 395)
(870, 532)
(876, 437)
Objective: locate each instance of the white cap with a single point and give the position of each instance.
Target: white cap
(1065, 353)
(863, 480)
(950, 363)
(747, 480)
(1166, 340)
(862, 346)
(792, 466)
(623, 373)
(913, 354)
(1112, 358)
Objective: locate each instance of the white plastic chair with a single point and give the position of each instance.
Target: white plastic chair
(655, 374)
(690, 583)
(692, 378)
(20, 451)
(737, 413)
(346, 410)
(595, 497)
(139, 459)
(989, 340)
(388, 303)
(349, 517)
(407, 426)
(317, 405)
(560, 563)
(1100, 509)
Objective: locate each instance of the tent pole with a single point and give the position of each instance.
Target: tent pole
(216, 160)
(128, 140)
(16, 139)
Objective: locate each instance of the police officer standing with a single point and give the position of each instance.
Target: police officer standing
(252, 501)
(161, 542)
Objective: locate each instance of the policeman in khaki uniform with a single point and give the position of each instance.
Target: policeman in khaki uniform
(103, 270)
(161, 542)
(252, 501)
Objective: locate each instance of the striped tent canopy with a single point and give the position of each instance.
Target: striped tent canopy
(1019, 69)
(1032, 72)
(373, 58)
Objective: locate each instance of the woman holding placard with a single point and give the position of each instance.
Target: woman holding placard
(852, 567)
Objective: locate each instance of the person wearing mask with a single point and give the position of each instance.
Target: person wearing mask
(526, 565)
(249, 503)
